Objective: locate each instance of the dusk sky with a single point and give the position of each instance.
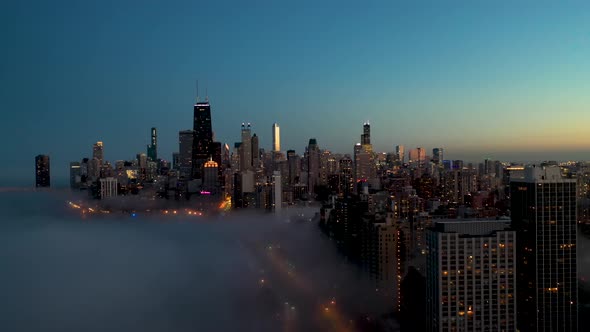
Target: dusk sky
(498, 80)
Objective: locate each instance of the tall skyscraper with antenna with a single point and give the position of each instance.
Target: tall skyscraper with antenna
(203, 136)
(276, 137)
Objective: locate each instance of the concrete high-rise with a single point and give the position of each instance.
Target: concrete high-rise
(543, 208)
(42, 172)
(152, 148)
(276, 137)
(203, 137)
(470, 276)
(98, 152)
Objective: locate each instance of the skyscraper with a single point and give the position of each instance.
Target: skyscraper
(366, 136)
(185, 148)
(543, 208)
(98, 152)
(203, 137)
(277, 191)
(363, 157)
(42, 174)
(210, 176)
(255, 152)
(246, 148)
(294, 162)
(75, 174)
(400, 153)
(346, 176)
(276, 137)
(470, 276)
(313, 162)
(437, 156)
(152, 149)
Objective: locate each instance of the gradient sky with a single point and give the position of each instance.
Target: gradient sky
(492, 80)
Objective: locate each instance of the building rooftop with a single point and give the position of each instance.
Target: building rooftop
(472, 227)
(541, 174)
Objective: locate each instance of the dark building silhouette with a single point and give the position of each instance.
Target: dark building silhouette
(203, 137)
(313, 165)
(366, 136)
(543, 208)
(152, 149)
(346, 176)
(42, 176)
(216, 151)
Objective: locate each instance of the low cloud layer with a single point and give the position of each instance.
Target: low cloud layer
(241, 272)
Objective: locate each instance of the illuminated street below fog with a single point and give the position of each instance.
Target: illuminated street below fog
(245, 271)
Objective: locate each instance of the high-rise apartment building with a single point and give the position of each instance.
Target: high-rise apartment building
(470, 276)
(276, 137)
(42, 173)
(543, 208)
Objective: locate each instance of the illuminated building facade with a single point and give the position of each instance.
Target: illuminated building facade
(108, 187)
(98, 152)
(276, 137)
(470, 276)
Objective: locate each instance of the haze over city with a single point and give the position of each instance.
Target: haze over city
(501, 80)
(294, 166)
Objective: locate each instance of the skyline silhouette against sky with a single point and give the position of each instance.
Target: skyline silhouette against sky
(500, 80)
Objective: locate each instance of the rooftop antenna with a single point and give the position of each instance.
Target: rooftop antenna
(197, 91)
(206, 95)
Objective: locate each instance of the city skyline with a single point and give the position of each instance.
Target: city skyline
(479, 81)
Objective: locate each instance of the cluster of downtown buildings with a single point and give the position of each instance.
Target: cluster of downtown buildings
(453, 246)
(463, 247)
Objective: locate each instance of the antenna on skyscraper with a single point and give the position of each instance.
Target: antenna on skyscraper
(197, 91)
(206, 95)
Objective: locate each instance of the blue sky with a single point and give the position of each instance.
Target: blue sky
(500, 80)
